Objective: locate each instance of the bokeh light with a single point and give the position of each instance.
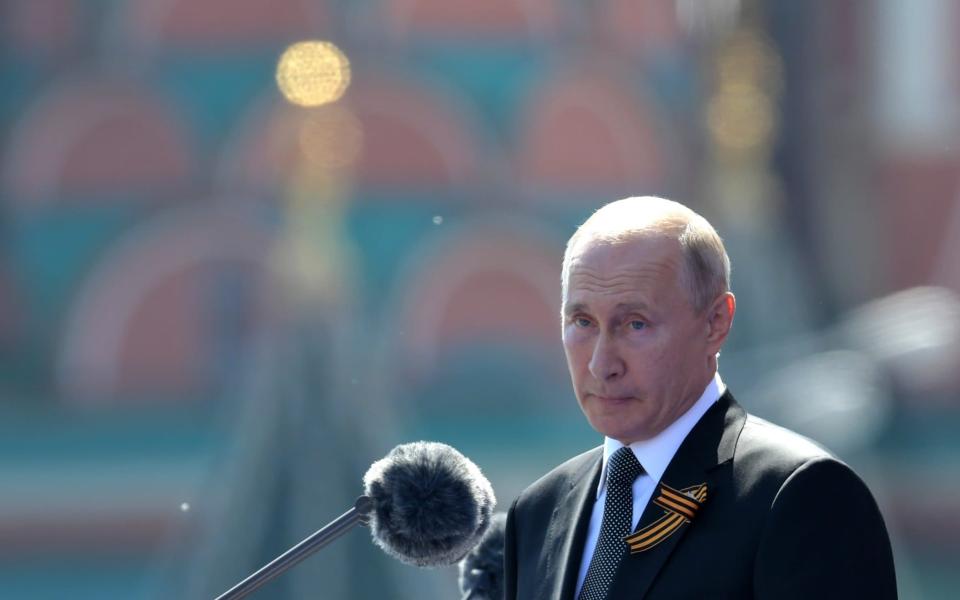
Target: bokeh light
(741, 114)
(313, 73)
(740, 117)
(750, 58)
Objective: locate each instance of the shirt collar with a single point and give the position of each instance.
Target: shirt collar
(656, 453)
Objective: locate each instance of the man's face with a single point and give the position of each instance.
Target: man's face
(639, 356)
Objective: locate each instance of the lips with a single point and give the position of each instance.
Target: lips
(612, 399)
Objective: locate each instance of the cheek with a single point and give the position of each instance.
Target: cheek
(667, 364)
(646, 350)
(576, 350)
(651, 361)
(572, 340)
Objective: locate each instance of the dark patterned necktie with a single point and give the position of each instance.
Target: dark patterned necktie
(622, 469)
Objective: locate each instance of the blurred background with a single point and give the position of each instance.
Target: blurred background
(247, 247)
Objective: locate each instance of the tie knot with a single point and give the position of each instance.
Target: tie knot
(623, 468)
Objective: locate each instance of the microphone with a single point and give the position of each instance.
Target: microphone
(481, 570)
(426, 504)
(431, 505)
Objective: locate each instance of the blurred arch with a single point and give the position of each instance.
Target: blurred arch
(152, 25)
(403, 133)
(413, 19)
(264, 152)
(414, 133)
(587, 129)
(140, 324)
(98, 135)
(643, 28)
(487, 280)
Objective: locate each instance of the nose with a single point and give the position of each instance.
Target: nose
(606, 363)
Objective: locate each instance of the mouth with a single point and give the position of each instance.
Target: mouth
(611, 399)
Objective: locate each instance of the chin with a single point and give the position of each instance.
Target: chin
(612, 428)
(625, 426)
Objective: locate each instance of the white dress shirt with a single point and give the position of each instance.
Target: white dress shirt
(654, 455)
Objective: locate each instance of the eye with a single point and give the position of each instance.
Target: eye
(581, 321)
(637, 325)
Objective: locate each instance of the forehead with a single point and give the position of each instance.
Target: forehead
(647, 267)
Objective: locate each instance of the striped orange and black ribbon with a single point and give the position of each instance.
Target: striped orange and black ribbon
(681, 507)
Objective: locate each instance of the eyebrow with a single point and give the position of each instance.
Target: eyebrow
(622, 307)
(632, 306)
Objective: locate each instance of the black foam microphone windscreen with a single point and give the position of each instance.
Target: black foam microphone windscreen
(431, 505)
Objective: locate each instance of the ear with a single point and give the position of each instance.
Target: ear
(719, 320)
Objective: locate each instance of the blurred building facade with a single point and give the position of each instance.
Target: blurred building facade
(218, 307)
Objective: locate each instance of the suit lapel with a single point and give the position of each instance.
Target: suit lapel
(710, 443)
(563, 544)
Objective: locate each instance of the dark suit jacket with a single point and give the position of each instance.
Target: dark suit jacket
(782, 519)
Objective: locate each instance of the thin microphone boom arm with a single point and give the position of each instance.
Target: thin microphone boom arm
(293, 556)
(426, 504)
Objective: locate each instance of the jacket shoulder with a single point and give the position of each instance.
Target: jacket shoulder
(767, 454)
(778, 443)
(560, 478)
(806, 497)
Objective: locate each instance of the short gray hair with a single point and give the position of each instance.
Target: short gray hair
(706, 265)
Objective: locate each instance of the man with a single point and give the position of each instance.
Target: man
(689, 497)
